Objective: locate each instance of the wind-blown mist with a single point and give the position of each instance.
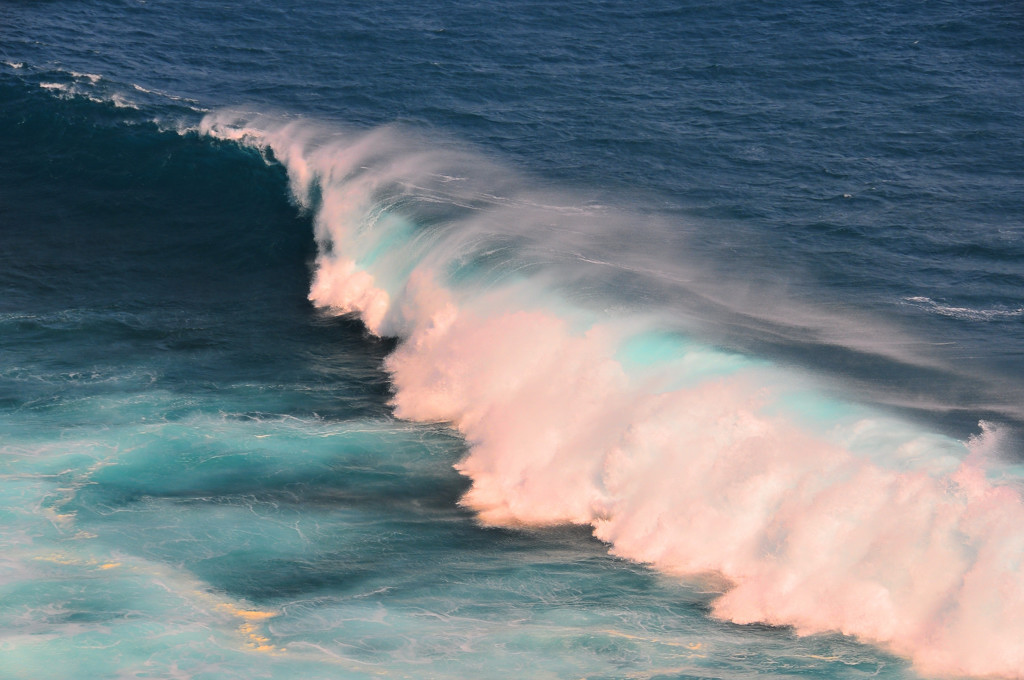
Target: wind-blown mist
(588, 394)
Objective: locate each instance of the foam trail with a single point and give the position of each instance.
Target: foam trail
(818, 514)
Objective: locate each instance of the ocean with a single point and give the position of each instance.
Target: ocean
(511, 339)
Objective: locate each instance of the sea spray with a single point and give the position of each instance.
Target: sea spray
(833, 518)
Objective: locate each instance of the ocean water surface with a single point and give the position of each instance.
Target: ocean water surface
(511, 339)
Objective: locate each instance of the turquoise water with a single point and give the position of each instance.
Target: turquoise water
(511, 340)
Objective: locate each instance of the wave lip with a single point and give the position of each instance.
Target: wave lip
(820, 515)
(68, 84)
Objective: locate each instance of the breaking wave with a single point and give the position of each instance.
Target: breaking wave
(548, 331)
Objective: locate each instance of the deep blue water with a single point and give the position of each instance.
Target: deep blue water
(503, 339)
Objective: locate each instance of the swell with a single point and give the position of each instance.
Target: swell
(561, 339)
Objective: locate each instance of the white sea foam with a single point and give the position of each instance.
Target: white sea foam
(819, 515)
(966, 313)
(91, 77)
(68, 90)
(95, 88)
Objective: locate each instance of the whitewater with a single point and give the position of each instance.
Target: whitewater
(816, 514)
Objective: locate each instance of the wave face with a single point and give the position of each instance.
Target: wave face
(583, 404)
